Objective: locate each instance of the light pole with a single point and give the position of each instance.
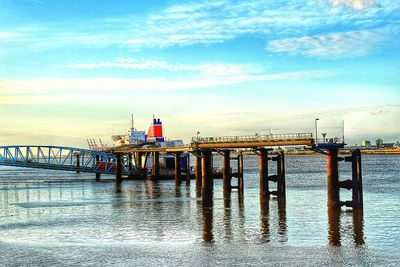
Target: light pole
(316, 131)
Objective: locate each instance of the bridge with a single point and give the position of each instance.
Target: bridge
(63, 158)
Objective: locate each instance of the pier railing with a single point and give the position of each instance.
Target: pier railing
(252, 138)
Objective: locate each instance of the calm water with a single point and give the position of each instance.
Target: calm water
(61, 218)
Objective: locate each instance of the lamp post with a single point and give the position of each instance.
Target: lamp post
(316, 131)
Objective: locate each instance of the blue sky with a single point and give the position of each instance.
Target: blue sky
(70, 70)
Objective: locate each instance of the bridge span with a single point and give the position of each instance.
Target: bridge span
(63, 158)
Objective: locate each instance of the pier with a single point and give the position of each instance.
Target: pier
(130, 161)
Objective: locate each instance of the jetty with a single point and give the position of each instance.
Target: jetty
(130, 161)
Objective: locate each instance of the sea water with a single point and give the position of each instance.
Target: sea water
(64, 218)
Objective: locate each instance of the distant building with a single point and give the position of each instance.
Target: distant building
(365, 143)
(379, 143)
(388, 145)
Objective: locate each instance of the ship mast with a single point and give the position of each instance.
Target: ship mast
(132, 123)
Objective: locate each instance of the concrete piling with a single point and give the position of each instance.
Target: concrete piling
(78, 162)
(198, 173)
(177, 168)
(281, 183)
(207, 178)
(357, 179)
(263, 165)
(138, 159)
(118, 175)
(156, 164)
(240, 173)
(226, 170)
(188, 168)
(97, 163)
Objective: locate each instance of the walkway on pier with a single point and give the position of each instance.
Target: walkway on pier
(62, 158)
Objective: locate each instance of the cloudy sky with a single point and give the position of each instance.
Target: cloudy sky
(71, 70)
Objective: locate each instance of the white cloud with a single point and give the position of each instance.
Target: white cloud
(207, 69)
(355, 4)
(333, 45)
(40, 85)
(9, 36)
(210, 22)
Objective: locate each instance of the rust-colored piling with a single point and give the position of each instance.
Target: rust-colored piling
(130, 161)
(207, 178)
(226, 171)
(357, 179)
(263, 165)
(281, 183)
(177, 167)
(156, 164)
(240, 173)
(138, 160)
(78, 162)
(333, 178)
(198, 173)
(188, 168)
(97, 164)
(118, 175)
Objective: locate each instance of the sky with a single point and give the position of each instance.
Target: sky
(71, 70)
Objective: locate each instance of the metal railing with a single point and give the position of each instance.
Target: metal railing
(330, 140)
(252, 138)
(61, 158)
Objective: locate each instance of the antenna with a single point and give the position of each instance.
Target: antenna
(343, 130)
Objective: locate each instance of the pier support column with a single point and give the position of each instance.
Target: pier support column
(226, 171)
(207, 178)
(138, 160)
(263, 162)
(130, 161)
(333, 178)
(177, 168)
(198, 173)
(146, 156)
(78, 162)
(357, 179)
(281, 183)
(156, 164)
(188, 168)
(240, 173)
(98, 165)
(118, 175)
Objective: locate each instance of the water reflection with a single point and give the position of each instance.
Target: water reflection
(227, 214)
(265, 219)
(336, 229)
(208, 224)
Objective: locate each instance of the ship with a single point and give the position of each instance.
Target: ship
(153, 138)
